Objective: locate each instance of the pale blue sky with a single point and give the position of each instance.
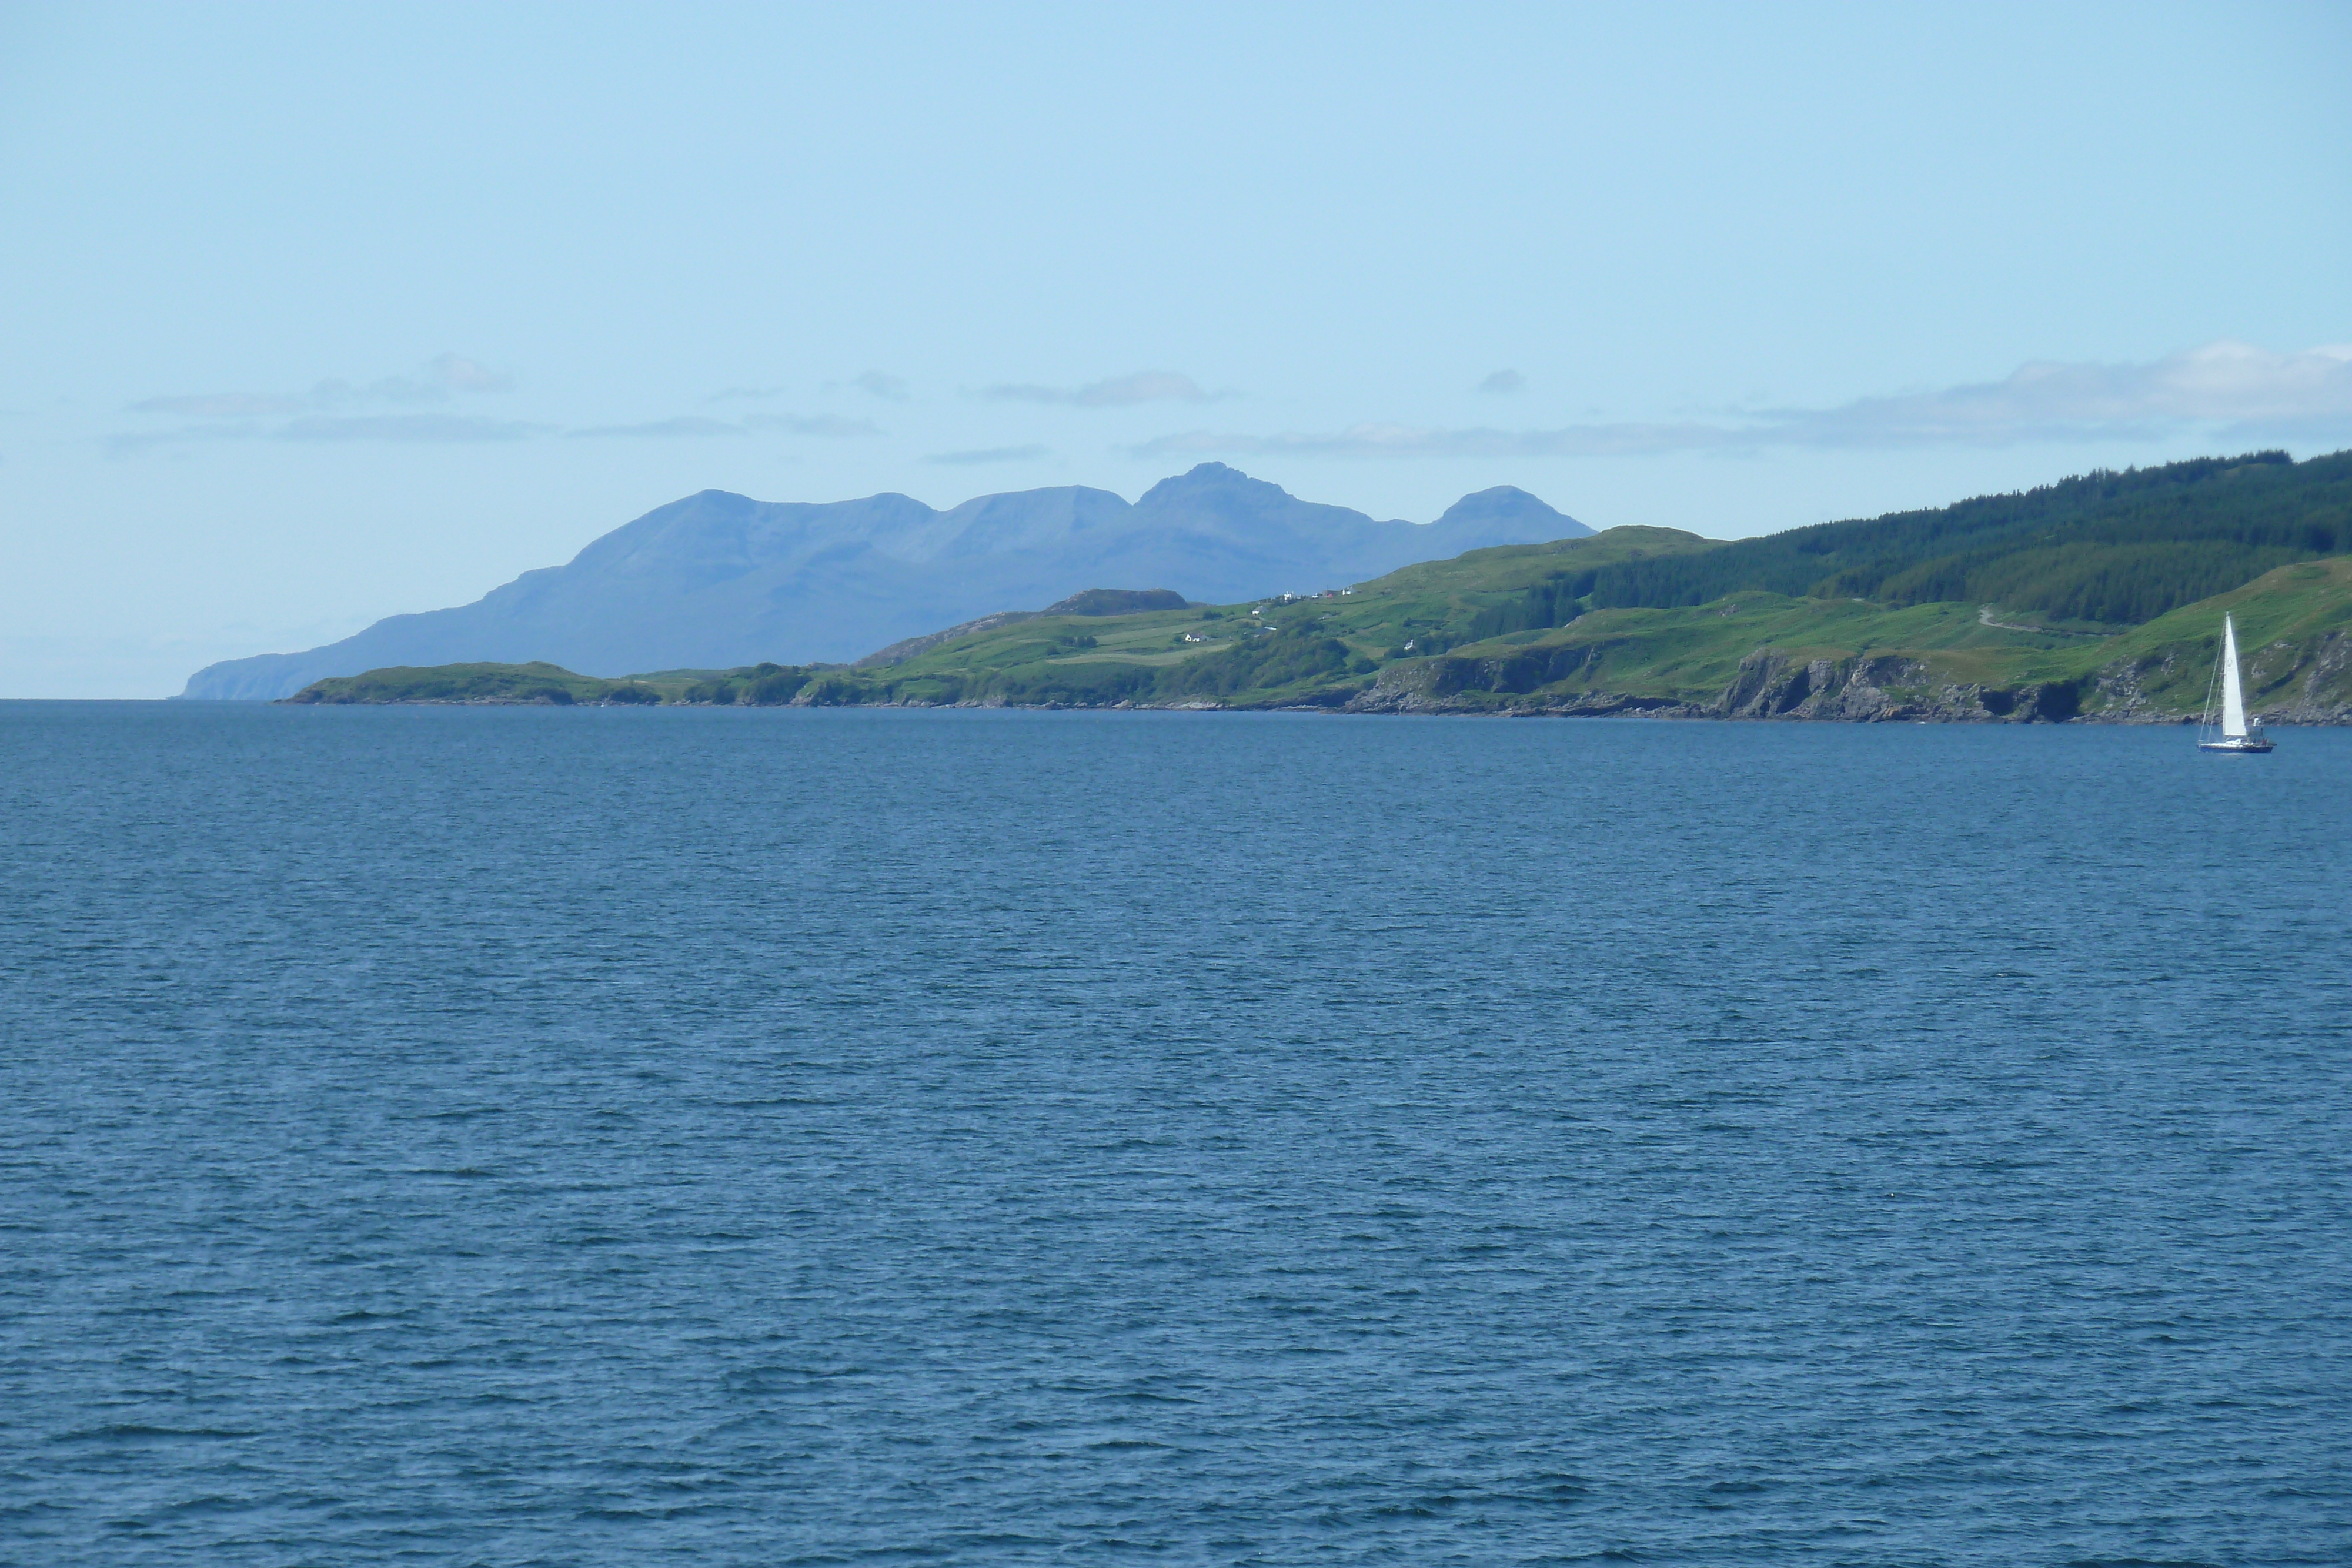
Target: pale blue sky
(318, 313)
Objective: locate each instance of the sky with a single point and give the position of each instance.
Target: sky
(318, 313)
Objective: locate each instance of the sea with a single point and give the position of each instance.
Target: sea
(616, 1136)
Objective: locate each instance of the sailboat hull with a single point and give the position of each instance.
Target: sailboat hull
(2235, 743)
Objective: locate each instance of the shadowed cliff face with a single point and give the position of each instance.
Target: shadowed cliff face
(1769, 684)
(719, 579)
(2311, 682)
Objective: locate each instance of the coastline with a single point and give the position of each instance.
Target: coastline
(1600, 704)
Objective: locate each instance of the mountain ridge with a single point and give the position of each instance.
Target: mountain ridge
(716, 580)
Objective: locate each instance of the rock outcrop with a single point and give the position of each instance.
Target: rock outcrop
(2303, 682)
(1887, 687)
(1769, 684)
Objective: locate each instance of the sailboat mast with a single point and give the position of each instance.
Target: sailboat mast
(2233, 700)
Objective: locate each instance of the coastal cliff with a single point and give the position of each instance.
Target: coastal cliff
(2308, 681)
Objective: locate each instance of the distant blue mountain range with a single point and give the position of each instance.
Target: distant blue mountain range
(716, 580)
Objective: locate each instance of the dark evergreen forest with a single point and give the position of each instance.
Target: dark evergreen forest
(2112, 549)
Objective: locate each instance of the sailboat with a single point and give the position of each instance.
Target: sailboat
(2233, 735)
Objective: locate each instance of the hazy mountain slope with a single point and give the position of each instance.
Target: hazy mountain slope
(719, 579)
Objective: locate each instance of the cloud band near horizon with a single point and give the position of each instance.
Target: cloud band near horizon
(2249, 394)
(1119, 392)
(2232, 391)
(472, 428)
(989, 455)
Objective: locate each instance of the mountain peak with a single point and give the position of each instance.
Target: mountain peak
(1502, 503)
(1207, 479)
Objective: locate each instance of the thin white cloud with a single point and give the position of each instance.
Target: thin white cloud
(1415, 440)
(387, 389)
(990, 454)
(435, 382)
(1502, 383)
(461, 374)
(450, 427)
(693, 425)
(889, 388)
(831, 424)
(2220, 383)
(132, 444)
(2236, 390)
(457, 427)
(1119, 392)
(398, 427)
(752, 394)
(221, 406)
(690, 425)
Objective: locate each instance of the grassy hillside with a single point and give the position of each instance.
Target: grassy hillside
(1768, 655)
(2295, 633)
(1319, 651)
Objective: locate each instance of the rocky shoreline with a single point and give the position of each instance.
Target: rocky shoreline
(1888, 688)
(1962, 706)
(1616, 705)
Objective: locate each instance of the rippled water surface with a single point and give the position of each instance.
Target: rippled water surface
(625, 1137)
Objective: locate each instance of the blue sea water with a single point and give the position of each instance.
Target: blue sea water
(625, 1137)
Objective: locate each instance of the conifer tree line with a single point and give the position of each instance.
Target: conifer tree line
(2117, 549)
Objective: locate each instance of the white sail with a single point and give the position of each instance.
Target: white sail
(2233, 700)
